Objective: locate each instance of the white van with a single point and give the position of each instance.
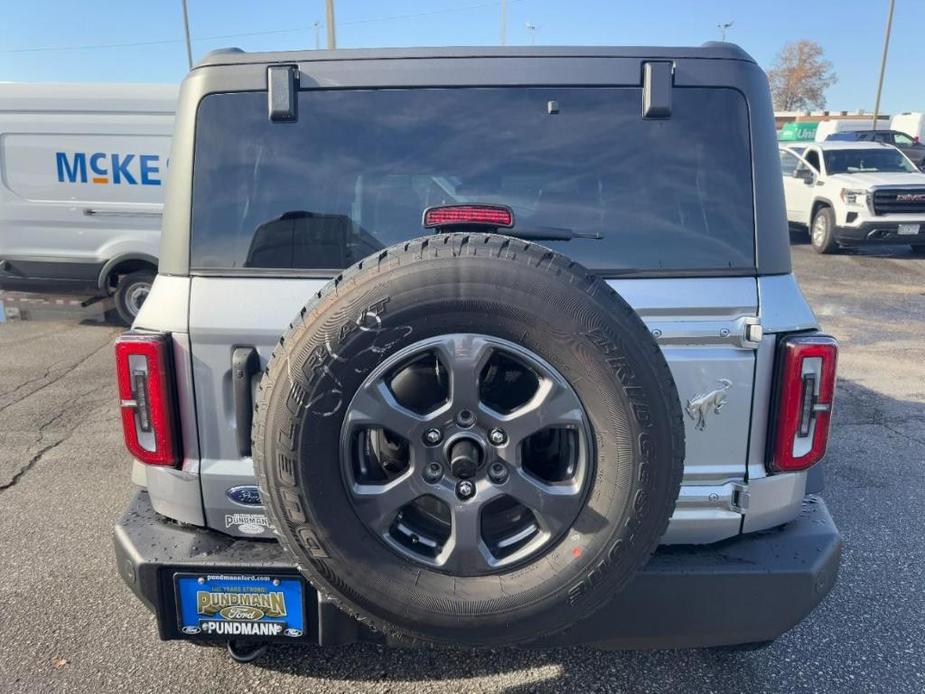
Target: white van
(844, 125)
(912, 123)
(82, 170)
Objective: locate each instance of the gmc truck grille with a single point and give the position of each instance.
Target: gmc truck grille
(899, 201)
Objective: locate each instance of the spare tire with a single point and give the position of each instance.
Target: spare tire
(468, 439)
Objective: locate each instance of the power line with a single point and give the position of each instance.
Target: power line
(168, 42)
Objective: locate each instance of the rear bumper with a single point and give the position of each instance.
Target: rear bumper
(878, 232)
(743, 590)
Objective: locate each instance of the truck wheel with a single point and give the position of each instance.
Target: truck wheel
(468, 439)
(131, 292)
(821, 233)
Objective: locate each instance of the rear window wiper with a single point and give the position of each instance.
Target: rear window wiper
(550, 234)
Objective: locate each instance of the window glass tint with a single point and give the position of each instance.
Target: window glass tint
(356, 171)
(902, 139)
(788, 163)
(812, 158)
(886, 159)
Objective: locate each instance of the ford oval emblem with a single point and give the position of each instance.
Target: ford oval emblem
(247, 494)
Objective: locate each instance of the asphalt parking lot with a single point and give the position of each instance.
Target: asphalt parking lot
(68, 623)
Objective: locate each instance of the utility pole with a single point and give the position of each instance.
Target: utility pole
(329, 17)
(532, 29)
(886, 48)
(189, 48)
(503, 22)
(723, 28)
(317, 35)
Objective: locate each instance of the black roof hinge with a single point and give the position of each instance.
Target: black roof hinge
(283, 92)
(657, 80)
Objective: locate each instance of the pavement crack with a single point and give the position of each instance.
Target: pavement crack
(876, 415)
(65, 370)
(33, 461)
(37, 457)
(902, 434)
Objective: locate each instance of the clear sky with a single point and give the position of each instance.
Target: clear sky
(83, 40)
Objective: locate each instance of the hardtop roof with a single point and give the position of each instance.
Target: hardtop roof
(712, 50)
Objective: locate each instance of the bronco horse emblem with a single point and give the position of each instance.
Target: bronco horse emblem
(700, 405)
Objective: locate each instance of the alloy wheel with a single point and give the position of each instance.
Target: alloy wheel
(466, 453)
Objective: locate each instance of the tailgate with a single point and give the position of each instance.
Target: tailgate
(700, 324)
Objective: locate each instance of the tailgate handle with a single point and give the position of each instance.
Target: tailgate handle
(245, 364)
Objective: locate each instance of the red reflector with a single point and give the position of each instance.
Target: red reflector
(804, 404)
(146, 398)
(487, 215)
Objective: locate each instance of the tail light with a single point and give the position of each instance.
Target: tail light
(146, 397)
(806, 391)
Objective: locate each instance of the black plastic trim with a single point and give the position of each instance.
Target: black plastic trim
(50, 275)
(742, 590)
(282, 92)
(859, 235)
(656, 89)
(245, 364)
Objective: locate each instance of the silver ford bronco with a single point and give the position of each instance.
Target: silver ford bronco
(476, 347)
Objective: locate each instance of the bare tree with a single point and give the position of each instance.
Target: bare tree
(800, 76)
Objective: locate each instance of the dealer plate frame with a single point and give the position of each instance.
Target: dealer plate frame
(284, 637)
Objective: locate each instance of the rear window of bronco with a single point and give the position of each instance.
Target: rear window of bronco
(357, 169)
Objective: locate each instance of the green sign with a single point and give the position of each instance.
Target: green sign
(797, 132)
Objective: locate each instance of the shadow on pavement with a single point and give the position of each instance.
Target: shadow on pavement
(869, 426)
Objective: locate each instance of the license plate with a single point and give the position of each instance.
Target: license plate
(236, 606)
(908, 229)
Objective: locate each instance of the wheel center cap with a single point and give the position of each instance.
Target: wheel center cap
(465, 458)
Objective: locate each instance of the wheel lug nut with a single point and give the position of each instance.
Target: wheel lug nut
(433, 472)
(465, 489)
(432, 437)
(497, 437)
(497, 473)
(465, 419)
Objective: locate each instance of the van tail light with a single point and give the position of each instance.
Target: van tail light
(146, 397)
(806, 390)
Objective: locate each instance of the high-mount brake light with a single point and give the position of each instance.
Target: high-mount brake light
(474, 215)
(806, 369)
(146, 397)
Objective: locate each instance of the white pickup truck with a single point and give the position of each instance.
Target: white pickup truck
(850, 193)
